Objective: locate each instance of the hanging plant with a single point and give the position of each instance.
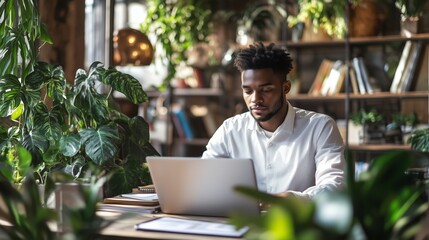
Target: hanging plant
(177, 26)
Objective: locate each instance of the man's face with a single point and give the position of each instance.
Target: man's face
(264, 93)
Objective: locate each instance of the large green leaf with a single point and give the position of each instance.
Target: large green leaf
(86, 98)
(126, 84)
(139, 129)
(52, 76)
(47, 123)
(35, 142)
(132, 174)
(24, 160)
(10, 93)
(100, 144)
(70, 144)
(75, 167)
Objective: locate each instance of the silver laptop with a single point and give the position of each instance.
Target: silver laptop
(205, 187)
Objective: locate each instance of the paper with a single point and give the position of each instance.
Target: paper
(177, 225)
(142, 196)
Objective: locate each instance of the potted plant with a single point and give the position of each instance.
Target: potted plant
(411, 11)
(176, 27)
(25, 209)
(384, 203)
(261, 21)
(370, 121)
(66, 125)
(419, 140)
(329, 18)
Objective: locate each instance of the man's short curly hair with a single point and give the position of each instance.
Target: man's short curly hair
(258, 56)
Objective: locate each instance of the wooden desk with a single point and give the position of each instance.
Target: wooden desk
(124, 228)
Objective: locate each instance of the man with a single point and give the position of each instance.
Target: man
(294, 151)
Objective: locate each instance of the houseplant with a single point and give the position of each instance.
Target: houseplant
(261, 21)
(330, 17)
(384, 203)
(176, 27)
(411, 11)
(25, 208)
(66, 126)
(419, 140)
(371, 122)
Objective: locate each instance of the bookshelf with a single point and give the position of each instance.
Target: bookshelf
(182, 99)
(314, 53)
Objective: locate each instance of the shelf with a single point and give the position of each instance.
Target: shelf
(191, 92)
(196, 141)
(378, 147)
(374, 96)
(357, 41)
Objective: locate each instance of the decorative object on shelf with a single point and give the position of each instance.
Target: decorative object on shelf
(66, 125)
(399, 130)
(261, 21)
(176, 27)
(419, 140)
(371, 122)
(327, 17)
(366, 18)
(131, 47)
(411, 11)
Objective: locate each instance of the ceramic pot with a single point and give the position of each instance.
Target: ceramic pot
(409, 26)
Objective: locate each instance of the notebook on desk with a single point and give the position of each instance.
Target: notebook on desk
(204, 187)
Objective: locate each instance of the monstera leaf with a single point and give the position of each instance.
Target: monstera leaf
(125, 84)
(100, 144)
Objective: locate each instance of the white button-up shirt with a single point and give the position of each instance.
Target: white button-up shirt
(304, 156)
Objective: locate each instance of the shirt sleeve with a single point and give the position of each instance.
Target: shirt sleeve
(217, 145)
(329, 160)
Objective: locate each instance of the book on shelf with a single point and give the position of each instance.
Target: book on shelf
(330, 82)
(362, 76)
(353, 81)
(204, 120)
(408, 82)
(322, 73)
(180, 112)
(365, 76)
(178, 126)
(400, 69)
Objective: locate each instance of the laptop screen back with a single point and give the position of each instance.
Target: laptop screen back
(205, 187)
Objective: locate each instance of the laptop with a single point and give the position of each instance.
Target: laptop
(203, 187)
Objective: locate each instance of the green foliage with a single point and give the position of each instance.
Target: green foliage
(419, 140)
(365, 117)
(385, 196)
(177, 25)
(24, 210)
(31, 218)
(385, 203)
(411, 8)
(65, 125)
(327, 15)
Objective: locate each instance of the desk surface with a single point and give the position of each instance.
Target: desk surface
(123, 228)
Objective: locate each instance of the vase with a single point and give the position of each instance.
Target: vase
(366, 19)
(309, 34)
(409, 26)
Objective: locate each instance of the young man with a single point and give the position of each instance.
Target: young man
(294, 151)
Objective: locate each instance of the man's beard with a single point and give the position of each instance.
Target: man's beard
(272, 113)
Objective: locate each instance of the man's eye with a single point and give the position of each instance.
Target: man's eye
(267, 90)
(246, 91)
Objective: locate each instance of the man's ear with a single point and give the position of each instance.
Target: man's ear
(286, 87)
